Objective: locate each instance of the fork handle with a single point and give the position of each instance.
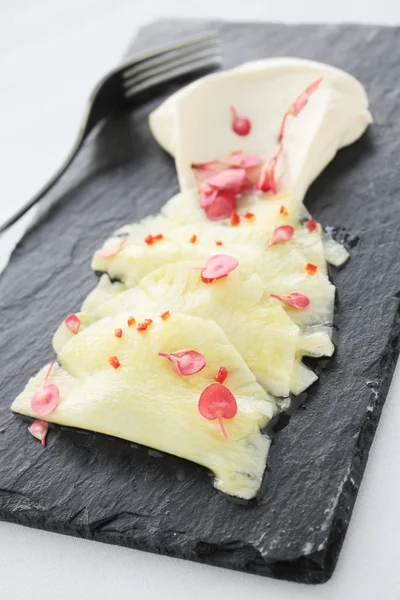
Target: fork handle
(43, 191)
(100, 103)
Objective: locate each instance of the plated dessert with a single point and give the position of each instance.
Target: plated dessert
(194, 337)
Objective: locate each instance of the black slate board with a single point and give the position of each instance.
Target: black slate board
(105, 489)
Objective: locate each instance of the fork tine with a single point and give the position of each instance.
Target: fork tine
(207, 44)
(172, 71)
(183, 43)
(167, 66)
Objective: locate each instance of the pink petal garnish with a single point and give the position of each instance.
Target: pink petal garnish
(281, 234)
(266, 181)
(313, 86)
(295, 300)
(210, 165)
(73, 323)
(222, 206)
(45, 400)
(219, 266)
(230, 180)
(112, 249)
(208, 195)
(217, 402)
(221, 375)
(240, 125)
(311, 225)
(300, 103)
(245, 161)
(39, 430)
(185, 362)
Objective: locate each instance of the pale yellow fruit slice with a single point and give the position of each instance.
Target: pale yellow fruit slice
(184, 208)
(265, 336)
(147, 402)
(317, 288)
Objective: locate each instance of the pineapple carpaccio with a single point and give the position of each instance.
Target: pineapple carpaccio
(194, 337)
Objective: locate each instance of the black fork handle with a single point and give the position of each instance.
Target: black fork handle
(104, 99)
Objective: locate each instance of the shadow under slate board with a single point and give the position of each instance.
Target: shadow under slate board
(105, 489)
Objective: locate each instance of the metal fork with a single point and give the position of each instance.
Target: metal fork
(120, 88)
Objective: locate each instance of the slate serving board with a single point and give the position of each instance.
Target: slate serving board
(105, 489)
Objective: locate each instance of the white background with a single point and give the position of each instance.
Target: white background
(51, 54)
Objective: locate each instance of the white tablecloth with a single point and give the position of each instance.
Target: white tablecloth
(51, 54)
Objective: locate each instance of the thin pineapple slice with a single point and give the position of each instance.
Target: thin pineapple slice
(316, 343)
(264, 335)
(335, 254)
(317, 288)
(302, 378)
(282, 267)
(147, 402)
(249, 246)
(184, 208)
(104, 290)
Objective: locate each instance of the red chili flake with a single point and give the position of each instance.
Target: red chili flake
(281, 234)
(73, 323)
(221, 375)
(118, 333)
(144, 325)
(112, 249)
(151, 239)
(218, 243)
(295, 299)
(165, 315)
(298, 105)
(131, 321)
(240, 125)
(284, 211)
(217, 402)
(218, 266)
(208, 280)
(249, 215)
(235, 219)
(311, 269)
(193, 239)
(39, 430)
(311, 225)
(185, 362)
(45, 400)
(114, 362)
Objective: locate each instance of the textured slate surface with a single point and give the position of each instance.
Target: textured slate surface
(105, 489)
